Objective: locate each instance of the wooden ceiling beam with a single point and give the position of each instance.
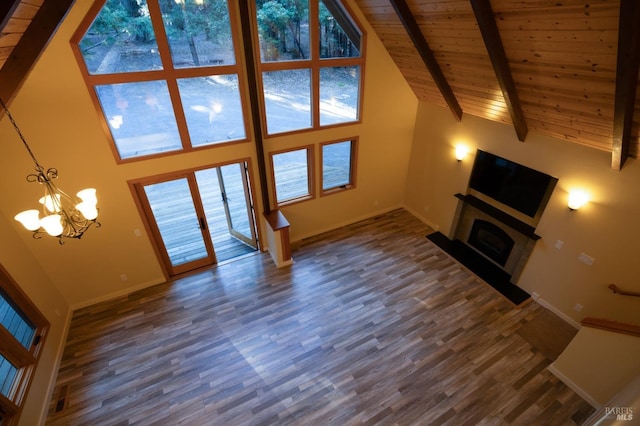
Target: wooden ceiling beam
(420, 43)
(7, 7)
(31, 44)
(626, 80)
(491, 36)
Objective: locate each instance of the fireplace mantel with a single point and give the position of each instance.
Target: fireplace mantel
(507, 219)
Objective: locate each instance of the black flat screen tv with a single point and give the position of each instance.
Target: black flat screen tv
(517, 186)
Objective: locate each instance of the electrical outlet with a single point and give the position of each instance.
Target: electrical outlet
(585, 258)
(578, 307)
(558, 244)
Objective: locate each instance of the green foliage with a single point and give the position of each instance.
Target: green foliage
(280, 20)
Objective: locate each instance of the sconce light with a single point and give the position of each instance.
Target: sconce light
(577, 199)
(461, 152)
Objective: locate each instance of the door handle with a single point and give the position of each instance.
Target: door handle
(203, 223)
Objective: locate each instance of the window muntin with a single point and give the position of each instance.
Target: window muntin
(199, 33)
(339, 94)
(213, 109)
(293, 175)
(336, 44)
(287, 98)
(153, 106)
(338, 165)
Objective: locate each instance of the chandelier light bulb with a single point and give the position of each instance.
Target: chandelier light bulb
(88, 195)
(30, 219)
(52, 224)
(88, 210)
(52, 203)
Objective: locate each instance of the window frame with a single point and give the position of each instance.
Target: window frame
(310, 176)
(168, 74)
(353, 161)
(25, 360)
(314, 64)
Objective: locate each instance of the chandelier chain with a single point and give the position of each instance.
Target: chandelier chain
(39, 168)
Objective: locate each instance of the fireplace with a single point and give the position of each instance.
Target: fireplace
(491, 241)
(501, 239)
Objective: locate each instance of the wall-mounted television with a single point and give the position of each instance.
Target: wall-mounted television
(517, 186)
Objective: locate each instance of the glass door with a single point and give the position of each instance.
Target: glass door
(227, 202)
(201, 218)
(179, 221)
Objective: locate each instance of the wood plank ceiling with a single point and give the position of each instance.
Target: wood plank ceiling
(559, 67)
(26, 26)
(551, 66)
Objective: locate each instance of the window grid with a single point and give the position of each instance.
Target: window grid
(170, 74)
(315, 64)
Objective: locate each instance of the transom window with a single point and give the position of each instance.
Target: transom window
(311, 64)
(164, 74)
(22, 331)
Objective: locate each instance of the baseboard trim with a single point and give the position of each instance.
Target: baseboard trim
(559, 313)
(346, 223)
(115, 295)
(577, 389)
(423, 219)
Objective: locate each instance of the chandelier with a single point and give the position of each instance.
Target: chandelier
(64, 216)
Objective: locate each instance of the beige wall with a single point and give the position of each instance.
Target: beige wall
(598, 364)
(606, 228)
(25, 270)
(55, 113)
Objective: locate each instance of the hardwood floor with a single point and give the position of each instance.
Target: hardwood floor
(372, 324)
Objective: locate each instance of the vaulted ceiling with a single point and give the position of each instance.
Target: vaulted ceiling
(565, 68)
(559, 67)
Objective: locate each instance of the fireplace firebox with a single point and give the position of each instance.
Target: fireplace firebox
(491, 241)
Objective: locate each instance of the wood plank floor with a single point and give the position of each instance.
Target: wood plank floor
(372, 324)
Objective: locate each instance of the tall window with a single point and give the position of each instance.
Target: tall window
(311, 64)
(164, 74)
(293, 175)
(22, 332)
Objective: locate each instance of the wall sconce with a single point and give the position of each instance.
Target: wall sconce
(577, 199)
(461, 152)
